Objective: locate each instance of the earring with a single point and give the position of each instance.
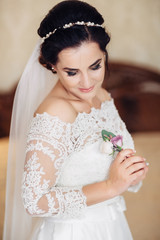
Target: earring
(53, 69)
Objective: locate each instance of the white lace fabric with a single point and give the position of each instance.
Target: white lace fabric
(45, 155)
(49, 187)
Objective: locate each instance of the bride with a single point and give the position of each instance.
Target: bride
(73, 152)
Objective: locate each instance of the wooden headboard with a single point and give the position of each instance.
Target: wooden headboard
(6, 102)
(136, 92)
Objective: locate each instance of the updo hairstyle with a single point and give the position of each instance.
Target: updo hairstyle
(67, 12)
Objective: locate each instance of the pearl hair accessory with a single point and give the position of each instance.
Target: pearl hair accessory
(82, 23)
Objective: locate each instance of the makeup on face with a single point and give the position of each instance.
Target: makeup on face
(72, 71)
(81, 70)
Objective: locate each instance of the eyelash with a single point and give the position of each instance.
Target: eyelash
(96, 67)
(71, 74)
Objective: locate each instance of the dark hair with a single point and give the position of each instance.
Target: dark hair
(70, 12)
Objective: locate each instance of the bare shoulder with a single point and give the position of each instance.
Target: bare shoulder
(104, 95)
(59, 107)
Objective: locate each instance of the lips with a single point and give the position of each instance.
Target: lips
(86, 90)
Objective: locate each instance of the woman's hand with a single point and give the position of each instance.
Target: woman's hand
(127, 169)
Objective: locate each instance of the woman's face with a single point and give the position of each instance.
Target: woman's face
(81, 70)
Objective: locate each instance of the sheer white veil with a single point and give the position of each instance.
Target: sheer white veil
(35, 84)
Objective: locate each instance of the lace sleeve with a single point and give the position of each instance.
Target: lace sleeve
(46, 152)
(135, 188)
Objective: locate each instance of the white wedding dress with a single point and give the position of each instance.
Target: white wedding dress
(60, 159)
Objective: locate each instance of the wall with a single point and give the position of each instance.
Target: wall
(133, 26)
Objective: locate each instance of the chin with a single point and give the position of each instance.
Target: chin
(87, 96)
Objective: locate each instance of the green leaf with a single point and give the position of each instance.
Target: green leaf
(106, 135)
(119, 148)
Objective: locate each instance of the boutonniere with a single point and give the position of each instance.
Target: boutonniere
(111, 143)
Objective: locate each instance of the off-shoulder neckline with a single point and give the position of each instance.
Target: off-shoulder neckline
(93, 110)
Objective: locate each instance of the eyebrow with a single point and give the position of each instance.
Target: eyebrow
(75, 69)
(96, 62)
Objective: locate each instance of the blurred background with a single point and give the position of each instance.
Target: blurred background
(134, 27)
(134, 82)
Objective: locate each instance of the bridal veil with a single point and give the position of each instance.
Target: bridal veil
(35, 84)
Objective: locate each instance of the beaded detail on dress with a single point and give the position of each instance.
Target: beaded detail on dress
(50, 186)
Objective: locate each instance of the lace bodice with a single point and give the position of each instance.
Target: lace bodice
(62, 157)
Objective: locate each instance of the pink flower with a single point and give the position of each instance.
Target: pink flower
(117, 141)
(112, 143)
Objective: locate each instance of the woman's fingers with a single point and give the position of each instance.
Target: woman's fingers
(136, 167)
(122, 155)
(133, 160)
(126, 169)
(139, 176)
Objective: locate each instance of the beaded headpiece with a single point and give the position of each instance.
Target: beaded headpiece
(82, 23)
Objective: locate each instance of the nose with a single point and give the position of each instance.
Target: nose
(86, 81)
